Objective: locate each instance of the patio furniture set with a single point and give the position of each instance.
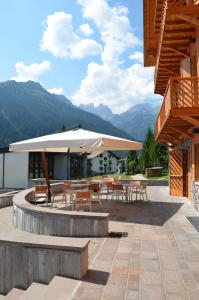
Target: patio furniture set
(78, 195)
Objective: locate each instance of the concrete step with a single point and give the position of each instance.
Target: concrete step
(14, 294)
(60, 288)
(33, 292)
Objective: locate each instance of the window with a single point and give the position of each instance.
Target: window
(36, 166)
(101, 168)
(105, 158)
(101, 155)
(101, 162)
(197, 162)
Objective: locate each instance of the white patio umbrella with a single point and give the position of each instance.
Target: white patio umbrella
(76, 140)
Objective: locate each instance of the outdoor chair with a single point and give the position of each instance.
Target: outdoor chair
(118, 190)
(67, 187)
(41, 194)
(82, 199)
(143, 191)
(136, 186)
(109, 187)
(95, 192)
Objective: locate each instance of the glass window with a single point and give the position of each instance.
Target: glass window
(36, 166)
(197, 162)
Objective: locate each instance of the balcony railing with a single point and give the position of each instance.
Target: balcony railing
(181, 93)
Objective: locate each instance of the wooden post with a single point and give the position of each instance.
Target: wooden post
(45, 168)
(68, 164)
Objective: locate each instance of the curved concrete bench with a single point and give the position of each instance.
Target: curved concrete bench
(47, 221)
(26, 258)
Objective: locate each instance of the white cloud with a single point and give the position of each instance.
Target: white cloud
(114, 27)
(60, 39)
(30, 72)
(137, 56)
(86, 29)
(57, 91)
(116, 87)
(110, 83)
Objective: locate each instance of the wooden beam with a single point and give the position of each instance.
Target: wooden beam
(177, 50)
(188, 19)
(186, 134)
(191, 120)
(171, 71)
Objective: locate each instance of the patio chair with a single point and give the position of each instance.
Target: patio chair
(41, 195)
(136, 186)
(82, 198)
(118, 190)
(109, 188)
(95, 191)
(143, 191)
(67, 187)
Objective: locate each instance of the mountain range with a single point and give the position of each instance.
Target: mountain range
(134, 121)
(27, 110)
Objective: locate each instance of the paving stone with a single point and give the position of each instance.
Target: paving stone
(155, 292)
(149, 277)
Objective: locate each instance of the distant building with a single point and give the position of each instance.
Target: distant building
(20, 170)
(102, 163)
(122, 165)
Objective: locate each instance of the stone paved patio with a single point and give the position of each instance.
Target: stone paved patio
(158, 255)
(152, 253)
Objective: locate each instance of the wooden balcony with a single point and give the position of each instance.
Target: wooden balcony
(179, 112)
(175, 24)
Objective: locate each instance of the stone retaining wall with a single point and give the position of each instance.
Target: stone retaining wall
(23, 261)
(47, 221)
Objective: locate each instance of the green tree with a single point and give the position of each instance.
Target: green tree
(152, 153)
(132, 162)
(63, 128)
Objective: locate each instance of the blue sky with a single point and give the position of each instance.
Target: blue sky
(89, 50)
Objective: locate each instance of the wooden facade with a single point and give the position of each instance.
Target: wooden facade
(171, 44)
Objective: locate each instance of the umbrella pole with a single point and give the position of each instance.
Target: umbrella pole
(45, 167)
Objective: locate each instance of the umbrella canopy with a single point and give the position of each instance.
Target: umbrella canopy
(76, 140)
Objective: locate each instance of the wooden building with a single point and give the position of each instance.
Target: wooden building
(171, 44)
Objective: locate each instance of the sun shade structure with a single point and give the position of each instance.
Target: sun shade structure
(77, 140)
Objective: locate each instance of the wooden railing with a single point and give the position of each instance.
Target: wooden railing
(182, 92)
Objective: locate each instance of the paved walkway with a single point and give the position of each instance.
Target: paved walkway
(152, 253)
(157, 256)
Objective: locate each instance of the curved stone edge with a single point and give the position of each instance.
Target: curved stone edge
(46, 221)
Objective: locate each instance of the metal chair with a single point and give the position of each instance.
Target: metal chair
(143, 191)
(109, 188)
(41, 194)
(82, 198)
(95, 191)
(118, 190)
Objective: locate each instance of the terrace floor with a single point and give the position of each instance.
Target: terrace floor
(151, 254)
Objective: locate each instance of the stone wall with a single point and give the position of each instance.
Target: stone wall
(47, 221)
(22, 263)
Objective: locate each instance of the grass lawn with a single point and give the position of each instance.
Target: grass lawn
(164, 176)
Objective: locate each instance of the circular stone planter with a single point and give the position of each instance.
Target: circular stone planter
(46, 221)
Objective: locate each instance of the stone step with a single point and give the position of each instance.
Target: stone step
(60, 288)
(14, 294)
(2, 297)
(34, 291)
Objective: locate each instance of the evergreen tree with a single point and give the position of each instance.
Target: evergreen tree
(132, 162)
(152, 154)
(63, 128)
